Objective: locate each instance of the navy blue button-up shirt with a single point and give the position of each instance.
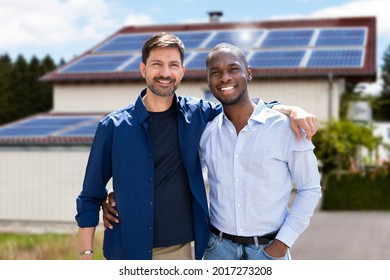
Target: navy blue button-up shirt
(122, 150)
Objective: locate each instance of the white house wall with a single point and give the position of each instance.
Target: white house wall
(41, 184)
(311, 95)
(94, 98)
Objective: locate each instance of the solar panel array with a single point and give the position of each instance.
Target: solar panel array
(43, 126)
(336, 47)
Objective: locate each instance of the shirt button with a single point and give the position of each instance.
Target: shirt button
(237, 180)
(151, 203)
(238, 205)
(151, 178)
(150, 228)
(237, 155)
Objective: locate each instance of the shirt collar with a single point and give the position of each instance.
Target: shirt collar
(258, 116)
(143, 114)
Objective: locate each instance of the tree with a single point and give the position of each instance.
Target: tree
(45, 89)
(20, 100)
(338, 142)
(5, 88)
(21, 92)
(381, 106)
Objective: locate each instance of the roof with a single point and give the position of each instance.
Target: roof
(51, 129)
(345, 47)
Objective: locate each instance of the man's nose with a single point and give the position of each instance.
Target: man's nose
(165, 71)
(225, 76)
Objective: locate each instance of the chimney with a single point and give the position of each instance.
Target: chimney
(214, 16)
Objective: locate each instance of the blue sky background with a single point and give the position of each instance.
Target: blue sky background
(66, 28)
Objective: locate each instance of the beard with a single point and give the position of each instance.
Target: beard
(163, 91)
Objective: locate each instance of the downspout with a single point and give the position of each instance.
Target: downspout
(330, 96)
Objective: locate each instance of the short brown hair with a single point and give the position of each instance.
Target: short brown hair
(162, 40)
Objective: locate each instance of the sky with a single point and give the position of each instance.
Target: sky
(67, 28)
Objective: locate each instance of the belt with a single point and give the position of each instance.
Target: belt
(265, 239)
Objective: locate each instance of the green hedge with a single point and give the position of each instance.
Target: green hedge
(357, 192)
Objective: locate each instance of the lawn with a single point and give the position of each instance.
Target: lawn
(47, 246)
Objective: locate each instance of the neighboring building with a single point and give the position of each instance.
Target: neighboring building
(301, 62)
(360, 112)
(382, 129)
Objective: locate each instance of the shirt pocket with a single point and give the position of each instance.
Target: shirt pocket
(264, 165)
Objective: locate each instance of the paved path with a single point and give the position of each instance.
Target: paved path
(345, 236)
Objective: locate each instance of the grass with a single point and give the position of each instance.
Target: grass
(47, 246)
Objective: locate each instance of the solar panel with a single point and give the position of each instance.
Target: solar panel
(244, 39)
(98, 63)
(288, 38)
(41, 126)
(198, 61)
(18, 132)
(276, 59)
(86, 130)
(335, 58)
(341, 37)
(122, 43)
(133, 65)
(193, 40)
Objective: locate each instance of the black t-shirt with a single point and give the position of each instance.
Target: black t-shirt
(172, 202)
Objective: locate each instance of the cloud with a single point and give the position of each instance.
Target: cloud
(44, 22)
(354, 8)
(138, 20)
(63, 26)
(378, 8)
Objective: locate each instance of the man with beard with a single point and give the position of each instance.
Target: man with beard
(253, 158)
(150, 150)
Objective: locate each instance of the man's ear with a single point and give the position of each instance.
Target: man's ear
(249, 72)
(142, 67)
(183, 71)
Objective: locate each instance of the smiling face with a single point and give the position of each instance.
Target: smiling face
(228, 75)
(163, 71)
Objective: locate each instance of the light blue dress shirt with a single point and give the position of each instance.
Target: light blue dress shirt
(251, 176)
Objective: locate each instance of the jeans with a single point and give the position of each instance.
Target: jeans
(224, 249)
